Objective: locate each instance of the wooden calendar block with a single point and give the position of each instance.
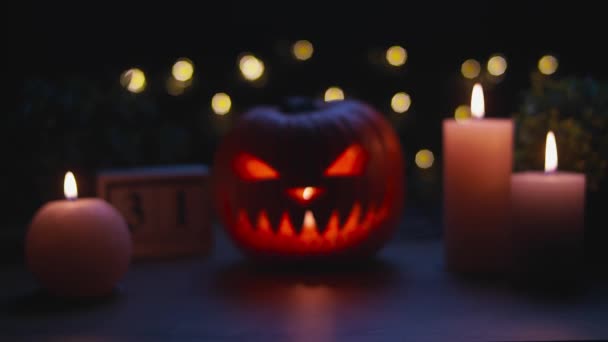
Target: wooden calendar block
(138, 205)
(168, 209)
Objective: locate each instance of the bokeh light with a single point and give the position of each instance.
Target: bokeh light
(221, 103)
(251, 67)
(334, 94)
(396, 55)
(302, 50)
(547, 64)
(424, 159)
(134, 80)
(470, 68)
(182, 70)
(401, 102)
(497, 65)
(462, 113)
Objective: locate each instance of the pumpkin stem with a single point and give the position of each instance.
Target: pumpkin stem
(299, 104)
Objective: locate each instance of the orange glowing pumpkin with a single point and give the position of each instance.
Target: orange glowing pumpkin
(324, 180)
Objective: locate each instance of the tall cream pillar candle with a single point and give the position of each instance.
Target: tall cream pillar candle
(478, 156)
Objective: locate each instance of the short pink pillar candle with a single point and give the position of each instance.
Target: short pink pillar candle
(548, 216)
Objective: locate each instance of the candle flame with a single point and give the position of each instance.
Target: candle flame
(550, 153)
(477, 102)
(70, 190)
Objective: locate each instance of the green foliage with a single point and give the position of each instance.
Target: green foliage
(577, 111)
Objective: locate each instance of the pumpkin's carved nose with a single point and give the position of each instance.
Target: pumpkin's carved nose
(305, 195)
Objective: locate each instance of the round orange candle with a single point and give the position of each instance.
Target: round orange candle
(78, 247)
(477, 168)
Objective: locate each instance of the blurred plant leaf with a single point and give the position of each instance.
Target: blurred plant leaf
(576, 109)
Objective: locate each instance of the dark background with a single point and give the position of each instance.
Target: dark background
(87, 46)
(63, 108)
(98, 40)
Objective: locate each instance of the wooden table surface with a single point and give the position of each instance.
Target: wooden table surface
(404, 295)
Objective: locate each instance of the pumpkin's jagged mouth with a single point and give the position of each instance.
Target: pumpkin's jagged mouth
(286, 239)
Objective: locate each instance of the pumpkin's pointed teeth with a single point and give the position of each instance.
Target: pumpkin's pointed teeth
(263, 224)
(286, 227)
(353, 219)
(309, 222)
(332, 231)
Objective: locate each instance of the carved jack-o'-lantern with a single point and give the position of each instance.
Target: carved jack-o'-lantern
(323, 180)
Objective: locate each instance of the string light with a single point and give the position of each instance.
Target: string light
(548, 64)
(396, 55)
(302, 50)
(251, 67)
(134, 80)
(497, 65)
(401, 102)
(183, 70)
(424, 159)
(470, 68)
(334, 94)
(221, 103)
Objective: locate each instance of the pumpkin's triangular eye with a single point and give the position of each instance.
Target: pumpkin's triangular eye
(351, 162)
(249, 167)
